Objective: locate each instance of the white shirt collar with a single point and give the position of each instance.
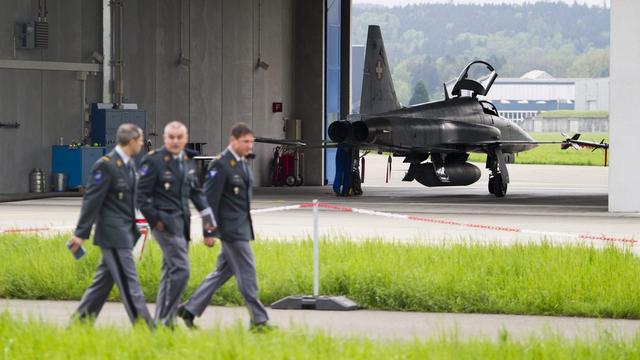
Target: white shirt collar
(238, 158)
(177, 156)
(125, 157)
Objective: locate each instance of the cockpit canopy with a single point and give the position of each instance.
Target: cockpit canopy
(477, 78)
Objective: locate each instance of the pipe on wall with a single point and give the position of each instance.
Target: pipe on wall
(106, 51)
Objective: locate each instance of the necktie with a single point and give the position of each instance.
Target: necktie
(178, 160)
(131, 174)
(245, 169)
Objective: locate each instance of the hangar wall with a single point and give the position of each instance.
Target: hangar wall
(46, 104)
(624, 125)
(221, 85)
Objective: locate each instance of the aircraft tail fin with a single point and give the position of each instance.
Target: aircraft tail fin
(378, 93)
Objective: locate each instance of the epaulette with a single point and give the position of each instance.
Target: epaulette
(216, 158)
(151, 152)
(105, 158)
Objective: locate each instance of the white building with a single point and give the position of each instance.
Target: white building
(537, 91)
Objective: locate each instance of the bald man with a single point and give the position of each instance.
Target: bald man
(167, 181)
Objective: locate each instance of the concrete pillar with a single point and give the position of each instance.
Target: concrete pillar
(345, 59)
(308, 68)
(624, 127)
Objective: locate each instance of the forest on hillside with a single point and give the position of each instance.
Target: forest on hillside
(433, 42)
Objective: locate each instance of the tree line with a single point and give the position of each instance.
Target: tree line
(433, 42)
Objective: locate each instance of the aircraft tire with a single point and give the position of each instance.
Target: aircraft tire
(499, 189)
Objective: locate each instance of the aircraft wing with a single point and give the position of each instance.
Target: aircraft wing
(568, 142)
(296, 143)
(280, 141)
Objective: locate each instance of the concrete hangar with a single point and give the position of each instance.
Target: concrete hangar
(211, 63)
(207, 63)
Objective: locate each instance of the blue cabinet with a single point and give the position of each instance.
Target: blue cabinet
(75, 162)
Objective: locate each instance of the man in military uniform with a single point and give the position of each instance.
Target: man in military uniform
(228, 189)
(167, 181)
(109, 203)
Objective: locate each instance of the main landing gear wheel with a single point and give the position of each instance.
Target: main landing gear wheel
(496, 187)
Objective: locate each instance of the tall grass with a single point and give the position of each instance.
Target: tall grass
(520, 279)
(37, 340)
(553, 155)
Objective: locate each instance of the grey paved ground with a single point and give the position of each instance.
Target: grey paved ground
(372, 324)
(565, 199)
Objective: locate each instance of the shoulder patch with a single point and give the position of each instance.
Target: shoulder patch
(98, 176)
(212, 173)
(105, 158)
(144, 169)
(151, 152)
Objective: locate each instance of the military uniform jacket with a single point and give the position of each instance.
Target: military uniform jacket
(164, 191)
(228, 190)
(109, 202)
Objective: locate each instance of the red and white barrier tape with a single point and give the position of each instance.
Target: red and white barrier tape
(588, 237)
(36, 229)
(477, 226)
(139, 222)
(281, 208)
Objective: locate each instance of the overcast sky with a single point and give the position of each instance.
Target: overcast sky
(405, 2)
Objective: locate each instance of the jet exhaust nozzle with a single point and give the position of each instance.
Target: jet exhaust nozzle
(339, 131)
(372, 130)
(361, 132)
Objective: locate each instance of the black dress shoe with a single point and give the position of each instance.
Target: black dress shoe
(186, 316)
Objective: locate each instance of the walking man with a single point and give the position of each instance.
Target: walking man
(228, 190)
(167, 181)
(109, 203)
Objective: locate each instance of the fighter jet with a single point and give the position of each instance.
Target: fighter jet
(444, 131)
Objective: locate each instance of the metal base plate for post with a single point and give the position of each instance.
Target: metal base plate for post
(315, 302)
(334, 303)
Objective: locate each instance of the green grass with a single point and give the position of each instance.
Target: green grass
(575, 114)
(520, 279)
(553, 155)
(36, 340)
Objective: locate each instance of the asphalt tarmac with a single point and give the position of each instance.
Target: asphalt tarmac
(553, 203)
